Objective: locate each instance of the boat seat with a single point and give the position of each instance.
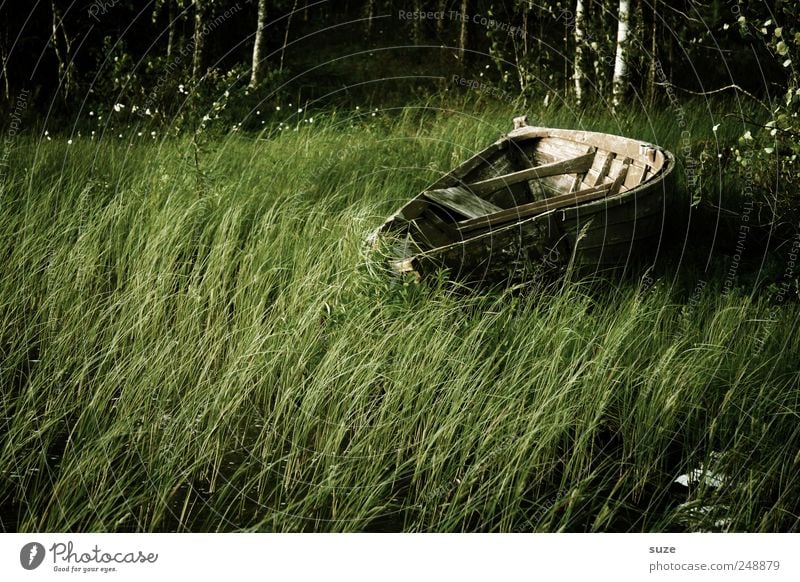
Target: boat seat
(462, 201)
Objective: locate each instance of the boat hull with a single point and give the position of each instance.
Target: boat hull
(598, 235)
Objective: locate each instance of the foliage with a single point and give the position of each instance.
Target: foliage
(769, 151)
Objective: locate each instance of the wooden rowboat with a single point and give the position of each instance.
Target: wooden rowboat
(536, 197)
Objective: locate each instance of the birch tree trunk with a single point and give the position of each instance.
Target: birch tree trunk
(258, 45)
(651, 72)
(369, 14)
(462, 36)
(578, 74)
(199, 38)
(621, 60)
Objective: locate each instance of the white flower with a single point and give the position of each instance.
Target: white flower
(69, 142)
(277, 108)
(118, 107)
(715, 128)
(91, 114)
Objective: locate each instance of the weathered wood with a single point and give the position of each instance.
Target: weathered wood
(622, 146)
(483, 157)
(554, 149)
(634, 176)
(579, 164)
(462, 201)
(599, 169)
(528, 210)
(576, 183)
(429, 234)
(619, 181)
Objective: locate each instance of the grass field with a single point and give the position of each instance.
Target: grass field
(191, 340)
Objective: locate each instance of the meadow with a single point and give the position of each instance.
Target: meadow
(193, 338)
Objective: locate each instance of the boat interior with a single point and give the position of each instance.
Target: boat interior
(525, 174)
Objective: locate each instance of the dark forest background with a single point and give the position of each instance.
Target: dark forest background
(73, 54)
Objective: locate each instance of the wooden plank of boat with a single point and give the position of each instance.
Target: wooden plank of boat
(528, 210)
(570, 166)
(599, 169)
(467, 166)
(618, 174)
(635, 175)
(461, 200)
(426, 231)
(621, 146)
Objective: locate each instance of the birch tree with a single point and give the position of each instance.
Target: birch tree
(258, 46)
(578, 74)
(621, 60)
(199, 38)
(651, 71)
(462, 36)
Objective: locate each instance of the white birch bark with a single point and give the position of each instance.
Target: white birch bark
(578, 74)
(258, 45)
(621, 60)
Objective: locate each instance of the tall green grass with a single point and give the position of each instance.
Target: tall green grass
(192, 340)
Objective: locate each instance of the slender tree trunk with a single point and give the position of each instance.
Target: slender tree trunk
(578, 74)
(258, 45)
(286, 33)
(417, 23)
(199, 39)
(651, 72)
(621, 60)
(4, 56)
(66, 65)
(369, 13)
(462, 36)
(171, 25)
(440, 21)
